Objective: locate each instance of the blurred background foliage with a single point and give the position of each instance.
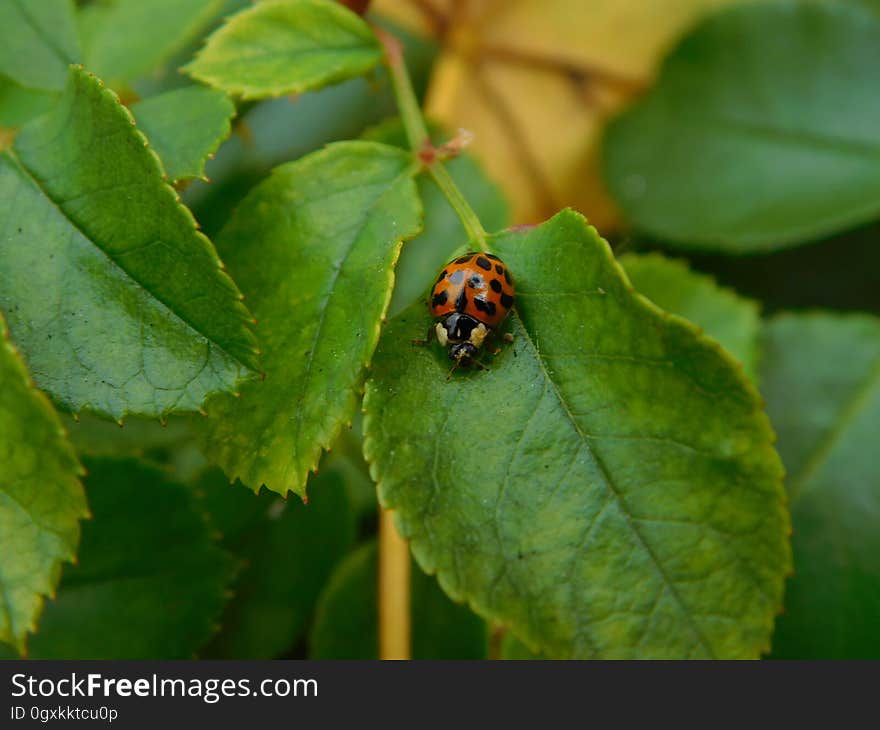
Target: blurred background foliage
(595, 104)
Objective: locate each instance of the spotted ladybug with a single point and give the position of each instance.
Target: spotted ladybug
(472, 296)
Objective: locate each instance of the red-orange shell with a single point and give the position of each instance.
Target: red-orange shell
(477, 284)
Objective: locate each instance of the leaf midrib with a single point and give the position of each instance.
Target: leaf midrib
(129, 276)
(615, 492)
(813, 463)
(285, 55)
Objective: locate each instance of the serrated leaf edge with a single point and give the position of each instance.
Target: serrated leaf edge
(246, 319)
(325, 440)
(40, 398)
(210, 151)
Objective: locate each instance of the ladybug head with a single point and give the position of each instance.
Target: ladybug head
(463, 353)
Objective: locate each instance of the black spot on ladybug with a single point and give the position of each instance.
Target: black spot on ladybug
(507, 277)
(483, 306)
(439, 299)
(492, 256)
(464, 259)
(499, 269)
(476, 282)
(457, 277)
(442, 275)
(461, 299)
(506, 301)
(496, 285)
(484, 263)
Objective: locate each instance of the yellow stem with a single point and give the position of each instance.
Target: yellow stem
(394, 589)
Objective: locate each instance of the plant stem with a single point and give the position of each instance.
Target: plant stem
(394, 591)
(420, 141)
(466, 214)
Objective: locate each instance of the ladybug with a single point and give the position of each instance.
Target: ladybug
(472, 296)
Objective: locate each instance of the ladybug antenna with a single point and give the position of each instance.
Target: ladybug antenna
(452, 369)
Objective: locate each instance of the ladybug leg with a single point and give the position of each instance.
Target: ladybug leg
(428, 337)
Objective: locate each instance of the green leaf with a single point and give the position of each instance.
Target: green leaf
(41, 498)
(289, 550)
(331, 225)
(19, 104)
(126, 39)
(286, 47)
(443, 233)
(760, 133)
(150, 582)
(607, 488)
(114, 297)
(38, 42)
(821, 378)
(346, 623)
(185, 127)
(732, 320)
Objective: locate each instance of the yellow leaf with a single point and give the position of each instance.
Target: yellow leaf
(536, 80)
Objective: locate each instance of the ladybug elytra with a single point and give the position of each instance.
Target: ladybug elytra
(472, 296)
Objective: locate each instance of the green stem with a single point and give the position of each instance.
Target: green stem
(420, 141)
(466, 214)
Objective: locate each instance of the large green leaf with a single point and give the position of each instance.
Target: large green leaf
(346, 623)
(761, 131)
(38, 42)
(289, 549)
(150, 581)
(821, 377)
(331, 225)
(731, 319)
(125, 39)
(607, 488)
(41, 498)
(443, 233)
(114, 297)
(286, 47)
(185, 127)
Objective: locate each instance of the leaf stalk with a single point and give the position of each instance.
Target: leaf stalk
(420, 141)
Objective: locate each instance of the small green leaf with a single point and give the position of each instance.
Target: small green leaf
(607, 488)
(286, 47)
(443, 233)
(821, 377)
(38, 42)
(150, 582)
(185, 127)
(289, 550)
(126, 39)
(114, 297)
(346, 623)
(41, 498)
(731, 319)
(760, 133)
(330, 226)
